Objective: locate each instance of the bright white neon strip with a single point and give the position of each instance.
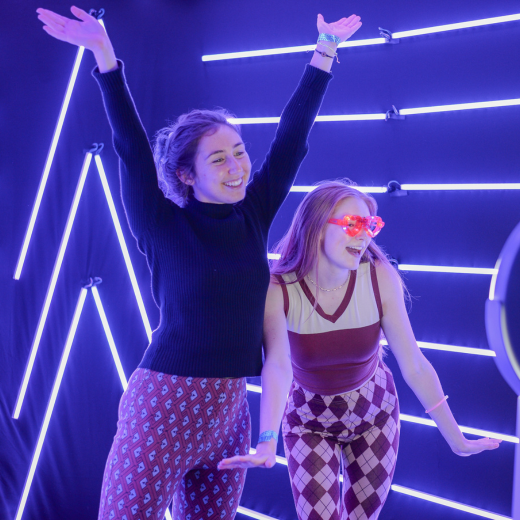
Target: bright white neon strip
(124, 249)
(446, 269)
(464, 429)
(48, 164)
(371, 117)
(363, 189)
(454, 26)
(168, 516)
(253, 514)
(448, 503)
(50, 405)
(110, 338)
(273, 256)
(454, 187)
(429, 422)
(453, 348)
(52, 285)
(287, 50)
(360, 43)
(460, 106)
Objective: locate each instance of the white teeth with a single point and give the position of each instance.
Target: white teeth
(234, 184)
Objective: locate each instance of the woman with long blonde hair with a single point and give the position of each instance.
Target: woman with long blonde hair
(337, 291)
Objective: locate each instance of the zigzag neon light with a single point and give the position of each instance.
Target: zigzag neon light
(52, 286)
(382, 116)
(52, 401)
(360, 43)
(48, 163)
(124, 249)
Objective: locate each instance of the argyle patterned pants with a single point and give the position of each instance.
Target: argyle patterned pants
(171, 433)
(359, 429)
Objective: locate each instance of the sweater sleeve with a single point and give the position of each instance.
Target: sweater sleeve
(271, 184)
(143, 200)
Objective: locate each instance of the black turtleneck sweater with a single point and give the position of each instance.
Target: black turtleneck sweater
(208, 261)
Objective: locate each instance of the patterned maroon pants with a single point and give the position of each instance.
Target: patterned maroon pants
(359, 429)
(171, 434)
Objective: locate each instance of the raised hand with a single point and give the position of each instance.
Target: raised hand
(86, 32)
(343, 28)
(471, 447)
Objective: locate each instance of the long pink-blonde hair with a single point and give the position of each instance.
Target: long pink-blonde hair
(299, 247)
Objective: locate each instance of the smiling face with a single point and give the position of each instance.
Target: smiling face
(337, 249)
(222, 168)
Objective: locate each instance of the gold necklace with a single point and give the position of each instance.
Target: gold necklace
(328, 290)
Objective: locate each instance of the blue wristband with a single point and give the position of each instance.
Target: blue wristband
(323, 37)
(267, 436)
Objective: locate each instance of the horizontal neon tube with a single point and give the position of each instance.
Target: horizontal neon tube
(464, 429)
(286, 50)
(429, 422)
(448, 503)
(455, 26)
(52, 285)
(253, 514)
(48, 163)
(455, 187)
(364, 189)
(372, 117)
(361, 43)
(109, 336)
(453, 348)
(446, 269)
(124, 248)
(52, 401)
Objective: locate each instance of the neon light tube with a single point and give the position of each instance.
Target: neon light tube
(446, 269)
(110, 338)
(254, 388)
(48, 163)
(124, 249)
(454, 26)
(52, 401)
(459, 106)
(52, 285)
(453, 348)
(464, 429)
(287, 50)
(273, 256)
(340, 117)
(363, 189)
(448, 503)
(168, 516)
(360, 43)
(253, 514)
(449, 187)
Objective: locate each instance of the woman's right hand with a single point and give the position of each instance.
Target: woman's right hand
(87, 32)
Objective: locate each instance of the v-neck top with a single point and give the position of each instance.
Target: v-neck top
(334, 353)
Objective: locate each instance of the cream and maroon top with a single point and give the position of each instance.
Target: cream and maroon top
(334, 353)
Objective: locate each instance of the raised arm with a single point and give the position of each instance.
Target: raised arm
(143, 200)
(271, 184)
(276, 381)
(418, 373)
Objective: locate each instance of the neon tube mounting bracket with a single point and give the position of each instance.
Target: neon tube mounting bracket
(97, 13)
(394, 190)
(387, 35)
(96, 148)
(393, 113)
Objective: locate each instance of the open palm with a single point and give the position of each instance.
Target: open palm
(343, 28)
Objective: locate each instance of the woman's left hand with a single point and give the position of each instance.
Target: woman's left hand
(343, 28)
(265, 457)
(470, 447)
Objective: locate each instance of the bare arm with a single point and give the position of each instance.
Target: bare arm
(418, 373)
(87, 33)
(276, 381)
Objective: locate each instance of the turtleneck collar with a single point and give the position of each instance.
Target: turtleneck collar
(217, 211)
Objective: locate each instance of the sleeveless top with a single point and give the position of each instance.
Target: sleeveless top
(337, 353)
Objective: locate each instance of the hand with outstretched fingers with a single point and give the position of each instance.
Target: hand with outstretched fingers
(265, 457)
(472, 447)
(85, 32)
(343, 28)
